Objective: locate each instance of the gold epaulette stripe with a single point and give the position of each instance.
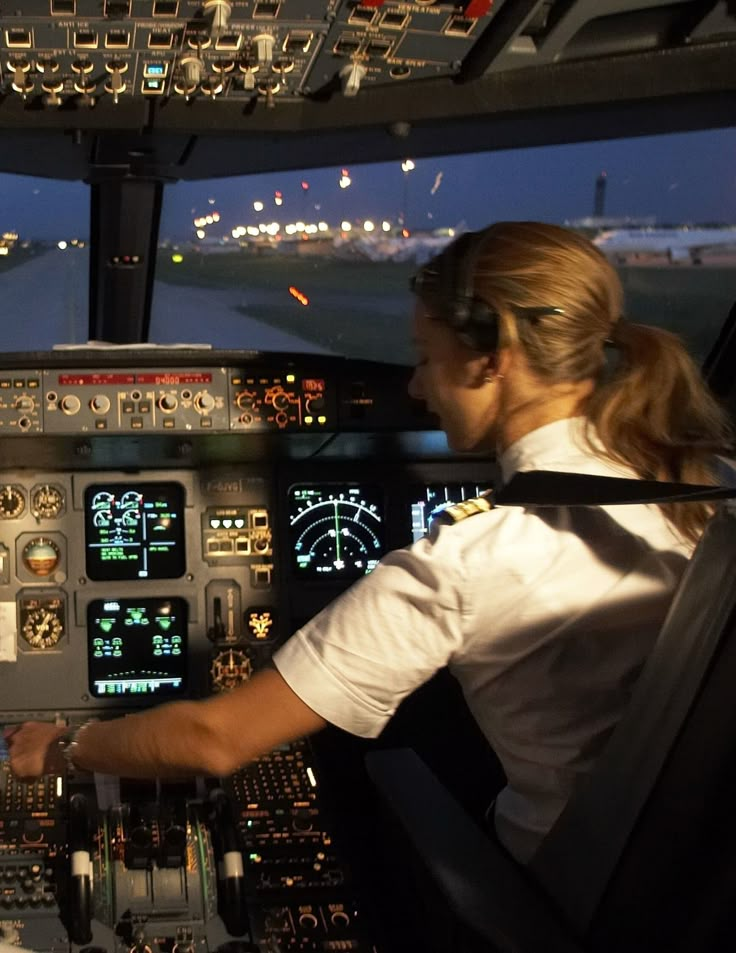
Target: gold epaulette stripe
(461, 511)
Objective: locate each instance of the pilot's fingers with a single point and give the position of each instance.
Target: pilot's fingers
(32, 748)
(27, 766)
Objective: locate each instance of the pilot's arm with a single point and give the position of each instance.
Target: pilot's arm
(215, 736)
(350, 666)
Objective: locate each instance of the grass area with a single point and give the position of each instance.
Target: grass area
(361, 309)
(308, 273)
(692, 301)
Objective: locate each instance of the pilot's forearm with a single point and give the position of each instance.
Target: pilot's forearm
(212, 737)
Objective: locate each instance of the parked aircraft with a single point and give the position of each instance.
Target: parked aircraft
(677, 244)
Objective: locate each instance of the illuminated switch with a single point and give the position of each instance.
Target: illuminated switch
(153, 87)
(155, 70)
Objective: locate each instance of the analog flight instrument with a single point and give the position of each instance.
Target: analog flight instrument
(230, 667)
(41, 556)
(12, 502)
(47, 501)
(42, 620)
(336, 530)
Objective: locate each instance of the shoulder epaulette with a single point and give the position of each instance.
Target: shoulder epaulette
(461, 511)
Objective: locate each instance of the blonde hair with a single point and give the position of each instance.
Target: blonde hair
(650, 410)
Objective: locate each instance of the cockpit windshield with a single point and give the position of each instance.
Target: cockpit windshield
(318, 260)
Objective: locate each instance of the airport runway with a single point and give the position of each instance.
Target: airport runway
(45, 302)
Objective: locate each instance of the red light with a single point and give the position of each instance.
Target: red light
(296, 293)
(305, 186)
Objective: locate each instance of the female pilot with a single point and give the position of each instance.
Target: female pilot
(546, 615)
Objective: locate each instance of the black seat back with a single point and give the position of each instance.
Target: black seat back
(641, 857)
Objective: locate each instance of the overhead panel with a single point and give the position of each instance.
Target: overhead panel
(73, 53)
(201, 88)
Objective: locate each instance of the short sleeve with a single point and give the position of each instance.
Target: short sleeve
(390, 632)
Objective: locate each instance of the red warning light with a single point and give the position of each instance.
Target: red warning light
(305, 186)
(296, 293)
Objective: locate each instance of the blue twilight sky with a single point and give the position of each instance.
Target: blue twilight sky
(679, 178)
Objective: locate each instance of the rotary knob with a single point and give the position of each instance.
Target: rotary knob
(70, 404)
(204, 402)
(100, 404)
(246, 400)
(315, 404)
(25, 403)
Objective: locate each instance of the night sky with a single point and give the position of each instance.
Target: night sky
(681, 178)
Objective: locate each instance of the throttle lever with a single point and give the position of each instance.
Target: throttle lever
(230, 871)
(80, 893)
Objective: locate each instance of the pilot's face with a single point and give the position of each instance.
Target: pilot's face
(450, 378)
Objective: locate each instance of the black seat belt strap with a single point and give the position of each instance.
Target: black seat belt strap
(556, 488)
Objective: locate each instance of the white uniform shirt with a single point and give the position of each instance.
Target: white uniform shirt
(545, 616)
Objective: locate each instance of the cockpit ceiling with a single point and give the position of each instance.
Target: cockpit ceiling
(189, 89)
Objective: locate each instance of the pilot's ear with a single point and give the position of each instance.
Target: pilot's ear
(484, 369)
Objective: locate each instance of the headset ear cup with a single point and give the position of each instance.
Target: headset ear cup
(460, 310)
(471, 317)
(481, 327)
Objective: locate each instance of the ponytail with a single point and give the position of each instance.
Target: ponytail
(654, 413)
(650, 411)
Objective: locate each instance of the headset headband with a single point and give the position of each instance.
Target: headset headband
(450, 278)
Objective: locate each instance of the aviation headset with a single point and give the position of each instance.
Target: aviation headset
(450, 278)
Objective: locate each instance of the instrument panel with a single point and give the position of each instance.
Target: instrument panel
(280, 395)
(130, 575)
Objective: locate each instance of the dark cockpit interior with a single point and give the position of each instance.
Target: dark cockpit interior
(162, 508)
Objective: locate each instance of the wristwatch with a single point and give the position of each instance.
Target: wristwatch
(69, 743)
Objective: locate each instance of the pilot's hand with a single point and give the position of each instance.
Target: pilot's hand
(34, 749)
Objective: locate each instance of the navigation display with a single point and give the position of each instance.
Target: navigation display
(134, 531)
(336, 530)
(432, 499)
(137, 647)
